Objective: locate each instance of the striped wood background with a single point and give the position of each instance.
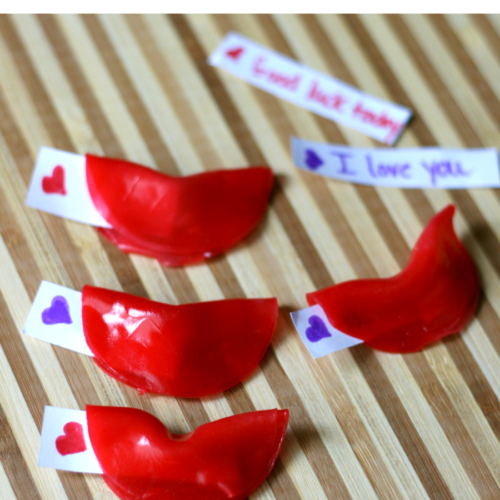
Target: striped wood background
(363, 424)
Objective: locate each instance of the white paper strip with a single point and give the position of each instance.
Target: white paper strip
(56, 317)
(59, 186)
(318, 335)
(404, 168)
(306, 87)
(65, 442)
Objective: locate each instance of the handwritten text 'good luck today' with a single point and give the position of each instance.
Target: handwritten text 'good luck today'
(317, 92)
(406, 168)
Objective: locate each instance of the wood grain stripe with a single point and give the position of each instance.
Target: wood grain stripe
(10, 230)
(14, 464)
(156, 146)
(455, 430)
(488, 31)
(476, 79)
(446, 100)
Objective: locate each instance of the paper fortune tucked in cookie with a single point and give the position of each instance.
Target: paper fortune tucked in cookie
(65, 442)
(59, 186)
(403, 168)
(317, 92)
(56, 317)
(318, 335)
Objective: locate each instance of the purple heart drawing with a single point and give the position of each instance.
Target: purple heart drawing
(317, 330)
(313, 161)
(58, 312)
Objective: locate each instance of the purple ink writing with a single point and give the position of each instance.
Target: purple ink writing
(318, 330)
(343, 162)
(58, 312)
(444, 169)
(385, 170)
(313, 161)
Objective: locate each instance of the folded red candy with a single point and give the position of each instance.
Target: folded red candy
(434, 296)
(191, 350)
(177, 220)
(226, 459)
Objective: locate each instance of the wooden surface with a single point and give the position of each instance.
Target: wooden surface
(363, 424)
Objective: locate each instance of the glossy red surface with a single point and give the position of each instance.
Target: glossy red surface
(226, 459)
(178, 220)
(434, 296)
(191, 350)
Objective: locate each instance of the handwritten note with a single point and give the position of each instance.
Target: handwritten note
(404, 168)
(56, 317)
(65, 442)
(59, 186)
(315, 91)
(318, 335)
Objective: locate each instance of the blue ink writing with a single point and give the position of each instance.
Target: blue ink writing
(444, 169)
(318, 330)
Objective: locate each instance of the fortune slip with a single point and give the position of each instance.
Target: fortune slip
(59, 186)
(404, 168)
(65, 442)
(56, 317)
(318, 335)
(315, 91)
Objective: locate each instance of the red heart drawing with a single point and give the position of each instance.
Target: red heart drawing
(72, 441)
(235, 53)
(55, 182)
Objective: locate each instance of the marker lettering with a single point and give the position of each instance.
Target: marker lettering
(319, 93)
(383, 170)
(343, 162)
(274, 77)
(443, 169)
(329, 101)
(377, 120)
(423, 168)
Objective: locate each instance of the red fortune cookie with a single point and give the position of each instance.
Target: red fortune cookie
(434, 296)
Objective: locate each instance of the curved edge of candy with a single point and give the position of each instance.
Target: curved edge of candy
(283, 417)
(127, 245)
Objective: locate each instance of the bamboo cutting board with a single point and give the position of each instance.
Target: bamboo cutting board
(363, 424)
